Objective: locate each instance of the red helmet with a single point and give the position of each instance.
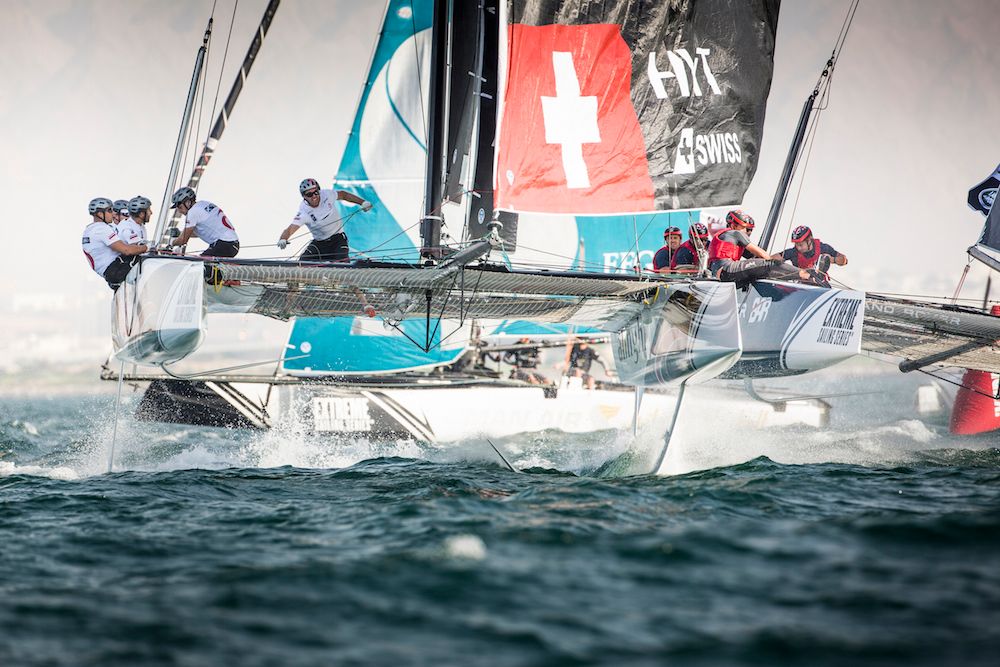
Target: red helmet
(801, 233)
(672, 231)
(698, 230)
(739, 217)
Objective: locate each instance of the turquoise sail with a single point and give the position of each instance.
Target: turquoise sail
(383, 162)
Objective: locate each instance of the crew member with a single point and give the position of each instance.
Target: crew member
(132, 229)
(750, 225)
(318, 212)
(811, 253)
(109, 256)
(120, 211)
(665, 255)
(580, 359)
(726, 250)
(206, 221)
(687, 253)
(525, 359)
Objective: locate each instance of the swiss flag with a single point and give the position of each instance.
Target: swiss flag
(570, 141)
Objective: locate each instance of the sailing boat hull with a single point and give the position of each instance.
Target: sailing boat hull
(159, 312)
(790, 328)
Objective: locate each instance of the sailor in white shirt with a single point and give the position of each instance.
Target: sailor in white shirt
(109, 256)
(206, 221)
(318, 212)
(132, 229)
(120, 211)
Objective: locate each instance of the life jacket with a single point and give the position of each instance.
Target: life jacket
(719, 249)
(690, 246)
(670, 264)
(804, 262)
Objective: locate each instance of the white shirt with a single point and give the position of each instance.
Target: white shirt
(97, 240)
(131, 232)
(323, 220)
(210, 223)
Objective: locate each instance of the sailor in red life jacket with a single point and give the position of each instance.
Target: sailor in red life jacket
(320, 215)
(109, 256)
(206, 221)
(746, 253)
(725, 255)
(662, 260)
(687, 253)
(811, 253)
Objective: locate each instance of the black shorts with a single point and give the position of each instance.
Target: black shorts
(333, 249)
(222, 249)
(118, 269)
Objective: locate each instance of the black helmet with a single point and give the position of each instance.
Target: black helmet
(672, 231)
(739, 217)
(801, 233)
(698, 230)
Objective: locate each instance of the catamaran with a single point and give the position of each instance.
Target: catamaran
(522, 140)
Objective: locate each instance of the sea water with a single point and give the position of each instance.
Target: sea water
(873, 542)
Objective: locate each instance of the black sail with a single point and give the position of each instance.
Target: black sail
(627, 106)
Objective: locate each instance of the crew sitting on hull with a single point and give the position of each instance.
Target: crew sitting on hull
(318, 212)
(109, 256)
(687, 253)
(725, 256)
(811, 253)
(132, 229)
(750, 225)
(525, 359)
(206, 221)
(120, 210)
(665, 256)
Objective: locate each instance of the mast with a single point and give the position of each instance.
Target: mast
(430, 224)
(786, 175)
(222, 121)
(182, 135)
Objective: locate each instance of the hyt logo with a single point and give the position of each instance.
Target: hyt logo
(681, 64)
(705, 149)
(759, 311)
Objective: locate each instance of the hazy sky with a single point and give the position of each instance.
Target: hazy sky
(93, 91)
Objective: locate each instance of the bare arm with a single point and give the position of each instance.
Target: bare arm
(347, 196)
(184, 237)
(760, 252)
(128, 249)
(289, 230)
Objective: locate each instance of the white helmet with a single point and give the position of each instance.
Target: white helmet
(137, 204)
(99, 204)
(182, 195)
(308, 184)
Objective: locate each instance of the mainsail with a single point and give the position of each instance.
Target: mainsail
(982, 198)
(383, 162)
(608, 108)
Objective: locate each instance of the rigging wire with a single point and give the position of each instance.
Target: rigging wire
(222, 68)
(821, 91)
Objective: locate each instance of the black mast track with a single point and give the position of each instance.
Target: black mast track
(430, 225)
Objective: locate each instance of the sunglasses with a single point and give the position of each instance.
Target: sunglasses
(312, 193)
